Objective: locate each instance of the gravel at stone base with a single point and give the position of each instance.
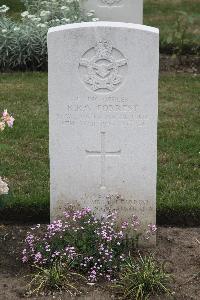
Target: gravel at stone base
(179, 246)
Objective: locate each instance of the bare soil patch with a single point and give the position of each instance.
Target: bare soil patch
(177, 245)
(186, 63)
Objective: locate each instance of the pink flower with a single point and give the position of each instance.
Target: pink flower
(24, 259)
(135, 222)
(38, 257)
(152, 228)
(10, 122)
(124, 225)
(6, 119)
(24, 252)
(5, 113)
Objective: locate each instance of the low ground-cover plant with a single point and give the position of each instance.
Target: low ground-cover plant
(5, 120)
(93, 247)
(23, 45)
(59, 276)
(142, 277)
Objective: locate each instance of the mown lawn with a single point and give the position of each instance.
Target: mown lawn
(165, 13)
(178, 147)
(24, 149)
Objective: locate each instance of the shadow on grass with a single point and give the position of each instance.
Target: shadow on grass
(24, 215)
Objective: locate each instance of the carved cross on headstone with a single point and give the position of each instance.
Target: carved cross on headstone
(103, 154)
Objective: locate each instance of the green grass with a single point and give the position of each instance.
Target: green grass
(178, 145)
(24, 149)
(164, 13)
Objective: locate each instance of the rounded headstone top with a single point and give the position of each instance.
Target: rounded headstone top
(104, 24)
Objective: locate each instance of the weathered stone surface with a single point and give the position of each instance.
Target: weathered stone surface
(103, 92)
(130, 11)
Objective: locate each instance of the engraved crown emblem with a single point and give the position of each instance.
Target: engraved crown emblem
(103, 69)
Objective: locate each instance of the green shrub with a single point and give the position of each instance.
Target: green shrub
(23, 45)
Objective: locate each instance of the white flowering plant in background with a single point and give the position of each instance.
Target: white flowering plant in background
(4, 9)
(23, 44)
(5, 120)
(54, 12)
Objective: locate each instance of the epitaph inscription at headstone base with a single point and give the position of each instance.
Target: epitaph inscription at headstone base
(103, 92)
(129, 11)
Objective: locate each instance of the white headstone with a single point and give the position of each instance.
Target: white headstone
(103, 93)
(129, 11)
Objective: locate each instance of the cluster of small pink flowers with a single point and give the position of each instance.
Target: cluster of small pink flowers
(24, 257)
(70, 252)
(135, 223)
(95, 247)
(6, 119)
(152, 229)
